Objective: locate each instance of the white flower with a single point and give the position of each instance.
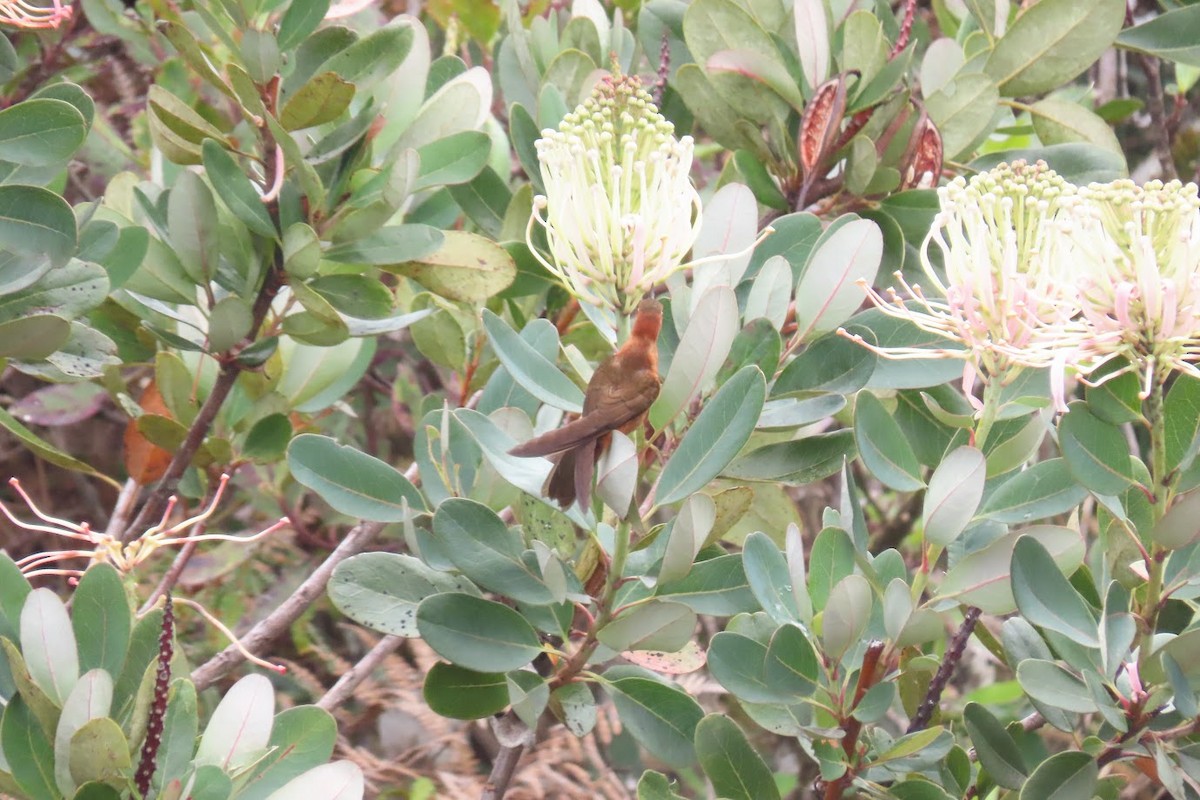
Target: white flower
(1139, 283)
(1007, 297)
(620, 211)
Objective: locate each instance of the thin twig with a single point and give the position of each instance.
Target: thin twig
(289, 610)
(514, 738)
(954, 654)
(1157, 107)
(119, 521)
(350, 680)
(171, 577)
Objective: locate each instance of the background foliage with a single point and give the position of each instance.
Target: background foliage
(287, 241)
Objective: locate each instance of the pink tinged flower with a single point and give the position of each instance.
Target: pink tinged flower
(620, 212)
(1140, 291)
(1007, 297)
(105, 547)
(21, 14)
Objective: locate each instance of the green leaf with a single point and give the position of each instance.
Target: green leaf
(351, 481)
(654, 785)
(738, 663)
(661, 716)
(718, 433)
(1078, 162)
(736, 770)
(456, 159)
(717, 586)
(177, 118)
(1070, 775)
(791, 664)
(193, 227)
(763, 67)
(323, 99)
(28, 751)
(529, 694)
(955, 489)
(797, 461)
(828, 292)
(1043, 490)
(1060, 121)
(654, 625)
(299, 21)
(460, 693)
(374, 56)
(831, 560)
(48, 644)
(883, 447)
(702, 349)
(480, 545)
(486, 200)
(94, 790)
(383, 590)
(359, 296)
(1174, 36)
(1178, 528)
(1181, 422)
(90, 699)
(235, 189)
(963, 111)
(33, 337)
(45, 710)
(475, 633)
(143, 649)
(260, 55)
(267, 441)
(997, 751)
(688, 532)
(180, 728)
(1097, 453)
(1052, 42)
(40, 132)
(240, 726)
(1045, 597)
(529, 368)
(466, 267)
(101, 620)
(1055, 686)
(302, 738)
(36, 222)
(770, 580)
(982, 578)
(846, 614)
(389, 246)
(70, 291)
(45, 450)
(99, 752)
(577, 707)
(832, 363)
(756, 176)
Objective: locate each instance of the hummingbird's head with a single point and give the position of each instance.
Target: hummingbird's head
(648, 321)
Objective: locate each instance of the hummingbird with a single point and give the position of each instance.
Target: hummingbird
(621, 391)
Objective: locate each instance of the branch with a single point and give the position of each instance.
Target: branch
(514, 738)
(954, 654)
(202, 424)
(341, 691)
(289, 611)
(1155, 104)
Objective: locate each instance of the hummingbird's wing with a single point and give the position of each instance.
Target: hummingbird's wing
(609, 404)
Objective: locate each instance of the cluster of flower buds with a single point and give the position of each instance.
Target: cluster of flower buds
(620, 212)
(1040, 273)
